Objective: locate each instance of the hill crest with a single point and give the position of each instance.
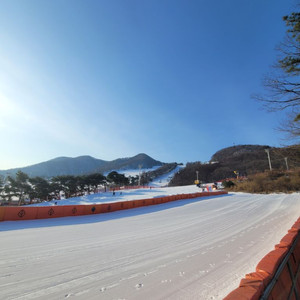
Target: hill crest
(83, 165)
(242, 159)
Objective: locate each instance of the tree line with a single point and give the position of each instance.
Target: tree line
(24, 187)
(242, 159)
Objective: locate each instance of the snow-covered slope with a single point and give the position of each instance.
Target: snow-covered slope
(187, 249)
(135, 172)
(160, 181)
(124, 195)
(166, 178)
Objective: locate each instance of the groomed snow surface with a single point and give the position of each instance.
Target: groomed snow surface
(187, 249)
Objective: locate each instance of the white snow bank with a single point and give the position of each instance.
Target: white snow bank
(123, 195)
(187, 249)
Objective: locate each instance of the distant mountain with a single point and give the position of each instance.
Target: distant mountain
(244, 159)
(142, 159)
(83, 165)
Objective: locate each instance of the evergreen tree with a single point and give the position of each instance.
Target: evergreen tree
(66, 183)
(40, 188)
(18, 186)
(93, 180)
(116, 178)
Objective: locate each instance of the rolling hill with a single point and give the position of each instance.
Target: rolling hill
(244, 159)
(83, 165)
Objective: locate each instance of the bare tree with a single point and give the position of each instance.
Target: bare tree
(283, 84)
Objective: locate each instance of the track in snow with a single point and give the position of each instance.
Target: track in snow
(188, 249)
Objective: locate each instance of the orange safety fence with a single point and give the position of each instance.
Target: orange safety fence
(124, 205)
(277, 274)
(148, 202)
(138, 203)
(92, 209)
(144, 202)
(165, 200)
(13, 213)
(2, 212)
(131, 204)
(50, 212)
(110, 207)
(160, 200)
(74, 210)
(9, 213)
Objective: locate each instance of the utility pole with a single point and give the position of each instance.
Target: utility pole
(268, 153)
(286, 163)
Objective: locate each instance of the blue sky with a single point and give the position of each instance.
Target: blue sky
(112, 79)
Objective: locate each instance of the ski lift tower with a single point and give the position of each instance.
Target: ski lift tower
(268, 153)
(140, 167)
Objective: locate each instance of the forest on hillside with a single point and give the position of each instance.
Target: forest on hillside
(242, 160)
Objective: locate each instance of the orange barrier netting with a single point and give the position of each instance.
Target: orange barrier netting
(13, 213)
(50, 212)
(20, 213)
(2, 212)
(92, 209)
(276, 275)
(74, 210)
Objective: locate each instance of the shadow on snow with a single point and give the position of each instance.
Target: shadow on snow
(102, 217)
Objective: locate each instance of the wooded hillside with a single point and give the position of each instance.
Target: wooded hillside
(244, 159)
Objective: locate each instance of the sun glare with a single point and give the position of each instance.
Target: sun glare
(7, 107)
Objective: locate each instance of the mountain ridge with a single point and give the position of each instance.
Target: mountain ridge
(82, 165)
